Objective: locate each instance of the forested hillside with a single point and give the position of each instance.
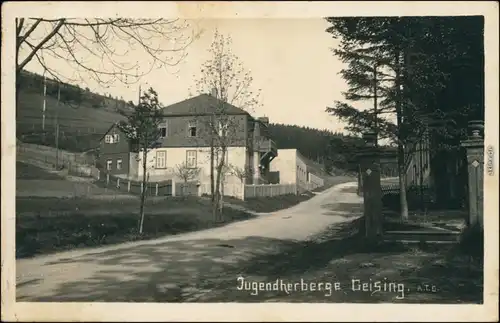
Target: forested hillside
(83, 117)
(333, 150)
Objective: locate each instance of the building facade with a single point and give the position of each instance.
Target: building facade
(187, 132)
(114, 152)
(292, 169)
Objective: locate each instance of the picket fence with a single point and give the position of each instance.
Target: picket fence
(269, 190)
(168, 187)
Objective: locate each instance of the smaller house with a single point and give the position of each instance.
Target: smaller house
(114, 151)
(292, 168)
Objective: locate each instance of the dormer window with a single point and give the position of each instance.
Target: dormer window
(112, 139)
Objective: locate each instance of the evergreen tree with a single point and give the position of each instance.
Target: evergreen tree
(142, 131)
(398, 63)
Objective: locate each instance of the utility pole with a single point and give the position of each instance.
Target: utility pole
(139, 100)
(44, 107)
(136, 75)
(57, 124)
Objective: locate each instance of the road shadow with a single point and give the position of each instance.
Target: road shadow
(207, 270)
(168, 271)
(343, 209)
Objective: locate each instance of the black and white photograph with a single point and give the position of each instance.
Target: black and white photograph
(205, 155)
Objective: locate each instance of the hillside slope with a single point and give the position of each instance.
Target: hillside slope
(84, 117)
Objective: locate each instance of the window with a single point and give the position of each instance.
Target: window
(192, 129)
(161, 159)
(119, 164)
(112, 139)
(191, 158)
(109, 164)
(163, 132)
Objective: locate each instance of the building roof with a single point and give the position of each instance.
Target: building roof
(203, 104)
(115, 125)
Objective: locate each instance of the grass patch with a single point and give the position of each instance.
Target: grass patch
(29, 172)
(270, 204)
(43, 205)
(77, 223)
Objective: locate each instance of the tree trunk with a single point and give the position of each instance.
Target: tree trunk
(143, 193)
(217, 193)
(403, 201)
(212, 164)
(221, 204)
(217, 203)
(215, 207)
(401, 153)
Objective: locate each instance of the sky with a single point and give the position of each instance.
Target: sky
(290, 61)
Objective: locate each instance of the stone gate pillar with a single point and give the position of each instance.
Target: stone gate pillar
(474, 146)
(369, 160)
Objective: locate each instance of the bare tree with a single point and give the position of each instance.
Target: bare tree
(98, 48)
(224, 76)
(142, 130)
(243, 173)
(186, 173)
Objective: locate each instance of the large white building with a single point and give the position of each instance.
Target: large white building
(185, 141)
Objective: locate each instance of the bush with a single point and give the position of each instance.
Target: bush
(472, 242)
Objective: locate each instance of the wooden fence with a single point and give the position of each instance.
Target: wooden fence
(134, 187)
(49, 156)
(269, 190)
(160, 188)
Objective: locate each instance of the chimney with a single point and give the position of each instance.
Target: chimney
(264, 120)
(213, 92)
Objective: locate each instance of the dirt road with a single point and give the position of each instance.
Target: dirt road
(179, 267)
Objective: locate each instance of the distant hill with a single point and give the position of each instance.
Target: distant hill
(85, 116)
(323, 147)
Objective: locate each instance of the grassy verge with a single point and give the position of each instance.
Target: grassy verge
(77, 223)
(276, 203)
(270, 204)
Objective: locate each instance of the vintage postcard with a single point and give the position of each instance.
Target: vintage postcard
(250, 161)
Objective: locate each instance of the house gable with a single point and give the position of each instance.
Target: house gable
(201, 105)
(114, 140)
